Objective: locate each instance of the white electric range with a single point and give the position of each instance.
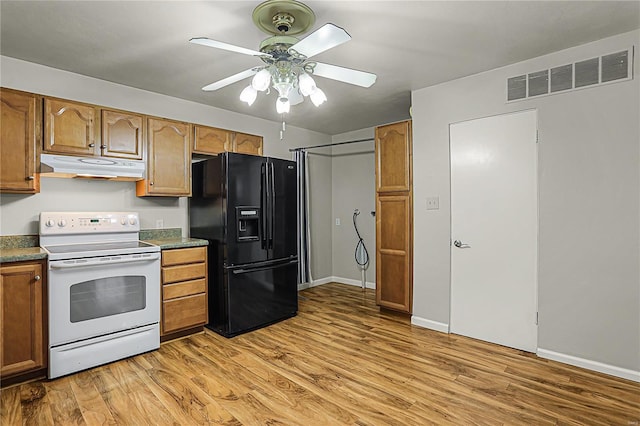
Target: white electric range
(104, 289)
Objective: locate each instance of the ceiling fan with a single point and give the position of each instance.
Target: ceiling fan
(287, 60)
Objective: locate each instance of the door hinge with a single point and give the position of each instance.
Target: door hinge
(536, 318)
(537, 137)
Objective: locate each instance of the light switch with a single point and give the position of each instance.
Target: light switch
(433, 203)
(337, 221)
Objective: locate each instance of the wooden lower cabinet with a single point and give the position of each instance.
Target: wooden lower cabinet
(22, 313)
(184, 290)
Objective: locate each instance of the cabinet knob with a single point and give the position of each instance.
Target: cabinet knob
(36, 278)
(30, 177)
(91, 145)
(150, 183)
(103, 146)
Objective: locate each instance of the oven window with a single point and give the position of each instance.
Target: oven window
(105, 297)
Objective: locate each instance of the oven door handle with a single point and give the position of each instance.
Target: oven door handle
(61, 264)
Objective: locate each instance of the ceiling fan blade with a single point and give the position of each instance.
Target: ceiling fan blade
(346, 75)
(295, 97)
(226, 46)
(230, 80)
(324, 38)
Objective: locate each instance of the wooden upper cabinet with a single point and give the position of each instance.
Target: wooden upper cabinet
(22, 335)
(20, 136)
(393, 157)
(247, 144)
(168, 159)
(210, 140)
(69, 127)
(122, 134)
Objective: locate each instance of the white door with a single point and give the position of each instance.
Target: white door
(494, 229)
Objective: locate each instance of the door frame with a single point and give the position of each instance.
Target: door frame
(536, 160)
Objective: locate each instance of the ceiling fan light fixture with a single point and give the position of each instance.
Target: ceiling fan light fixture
(306, 84)
(318, 97)
(261, 80)
(249, 95)
(282, 105)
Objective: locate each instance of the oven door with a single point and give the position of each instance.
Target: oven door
(92, 297)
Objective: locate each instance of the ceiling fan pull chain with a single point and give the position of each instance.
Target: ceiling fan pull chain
(283, 129)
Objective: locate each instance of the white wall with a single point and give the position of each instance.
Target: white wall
(353, 187)
(589, 206)
(19, 213)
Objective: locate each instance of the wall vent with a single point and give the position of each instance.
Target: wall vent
(590, 72)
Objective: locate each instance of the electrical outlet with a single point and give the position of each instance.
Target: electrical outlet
(337, 221)
(433, 203)
(159, 224)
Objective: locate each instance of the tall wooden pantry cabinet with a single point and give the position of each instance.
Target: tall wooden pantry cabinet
(394, 217)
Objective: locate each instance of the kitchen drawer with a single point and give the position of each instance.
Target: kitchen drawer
(187, 288)
(184, 312)
(183, 273)
(182, 256)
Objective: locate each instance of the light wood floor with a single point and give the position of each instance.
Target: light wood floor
(340, 361)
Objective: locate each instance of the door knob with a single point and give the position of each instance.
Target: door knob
(460, 244)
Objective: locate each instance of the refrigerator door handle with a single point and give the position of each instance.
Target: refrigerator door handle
(272, 212)
(264, 202)
(263, 268)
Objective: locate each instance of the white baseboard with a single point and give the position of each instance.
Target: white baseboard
(612, 370)
(349, 281)
(431, 325)
(340, 280)
(314, 283)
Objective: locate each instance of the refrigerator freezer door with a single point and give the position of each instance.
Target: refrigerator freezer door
(283, 218)
(260, 295)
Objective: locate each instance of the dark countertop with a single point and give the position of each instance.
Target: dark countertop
(179, 242)
(21, 253)
(18, 248)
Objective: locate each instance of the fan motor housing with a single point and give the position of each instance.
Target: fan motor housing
(279, 17)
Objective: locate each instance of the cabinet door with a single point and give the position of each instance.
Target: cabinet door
(20, 135)
(184, 312)
(393, 252)
(247, 144)
(121, 135)
(22, 345)
(209, 140)
(69, 127)
(393, 157)
(168, 159)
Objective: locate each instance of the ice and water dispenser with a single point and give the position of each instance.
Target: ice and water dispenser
(248, 219)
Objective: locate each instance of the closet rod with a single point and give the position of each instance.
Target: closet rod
(304, 148)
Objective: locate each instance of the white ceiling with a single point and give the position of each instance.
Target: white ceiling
(408, 44)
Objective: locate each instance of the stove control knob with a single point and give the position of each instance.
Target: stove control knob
(62, 223)
(123, 221)
(132, 220)
(50, 223)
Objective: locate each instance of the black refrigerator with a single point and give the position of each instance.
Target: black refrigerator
(245, 206)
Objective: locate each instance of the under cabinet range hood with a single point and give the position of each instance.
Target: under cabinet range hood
(91, 167)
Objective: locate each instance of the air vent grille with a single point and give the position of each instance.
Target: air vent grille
(587, 72)
(561, 78)
(539, 83)
(590, 72)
